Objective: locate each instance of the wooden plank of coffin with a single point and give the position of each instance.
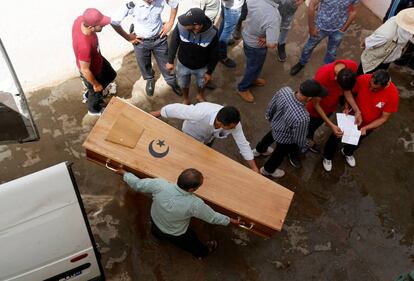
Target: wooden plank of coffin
(163, 151)
(125, 131)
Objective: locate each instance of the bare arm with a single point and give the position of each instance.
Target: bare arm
(376, 123)
(156, 113)
(271, 46)
(131, 37)
(168, 25)
(87, 73)
(335, 129)
(351, 101)
(298, 3)
(218, 20)
(351, 17)
(313, 5)
(252, 165)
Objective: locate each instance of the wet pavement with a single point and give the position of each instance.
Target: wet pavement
(350, 224)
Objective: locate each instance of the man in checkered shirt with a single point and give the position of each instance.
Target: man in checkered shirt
(289, 122)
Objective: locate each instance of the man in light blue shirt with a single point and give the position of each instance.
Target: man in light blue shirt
(173, 207)
(148, 37)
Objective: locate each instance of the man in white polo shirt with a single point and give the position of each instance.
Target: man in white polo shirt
(206, 121)
(149, 36)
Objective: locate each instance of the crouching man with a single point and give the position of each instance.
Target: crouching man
(207, 121)
(173, 207)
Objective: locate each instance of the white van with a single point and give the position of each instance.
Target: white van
(44, 231)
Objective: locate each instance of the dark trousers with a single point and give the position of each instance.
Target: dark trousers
(243, 14)
(278, 154)
(188, 241)
(159, 48)
(360, 71)
(407, 57)
(105, 77)
(332, 145)
(255, 59)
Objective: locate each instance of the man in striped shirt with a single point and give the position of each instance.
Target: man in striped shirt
(289, 122)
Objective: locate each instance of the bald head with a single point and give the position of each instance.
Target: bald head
(190, 179)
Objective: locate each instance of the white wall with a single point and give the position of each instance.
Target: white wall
(38, 38)
(378, 7)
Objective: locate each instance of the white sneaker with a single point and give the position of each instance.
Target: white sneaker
(84, 97)
(110, 89)
(350, 160)
(278, 173)
(267, 153)
(327, 164)
(96, 113)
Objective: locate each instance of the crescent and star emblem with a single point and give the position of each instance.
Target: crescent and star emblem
(156, 154)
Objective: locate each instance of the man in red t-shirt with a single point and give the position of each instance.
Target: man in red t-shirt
(377, 98)
(338, 78)
(95, 71)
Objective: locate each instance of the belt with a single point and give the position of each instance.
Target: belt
(154, 38)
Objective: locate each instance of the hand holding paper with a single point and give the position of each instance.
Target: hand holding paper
(347, 124)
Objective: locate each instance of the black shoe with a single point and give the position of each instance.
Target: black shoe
(281, 52)
(211, 86)
(296, 68)
(294, 160)
(228, 62)
(149, 88)
(176, 89)
(231, 42)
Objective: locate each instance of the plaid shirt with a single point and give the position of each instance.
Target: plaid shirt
(333, 14)
(289, 118)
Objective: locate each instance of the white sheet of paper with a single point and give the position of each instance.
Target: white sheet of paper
(347, 124)
(351, 137)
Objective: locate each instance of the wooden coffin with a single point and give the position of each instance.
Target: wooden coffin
(142, 144)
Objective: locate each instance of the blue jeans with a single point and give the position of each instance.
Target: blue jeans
(255, 58)
(287, 11)
(184, 75)
(334, 40)
(228, 25)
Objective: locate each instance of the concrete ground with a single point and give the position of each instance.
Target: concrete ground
(350, 224)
